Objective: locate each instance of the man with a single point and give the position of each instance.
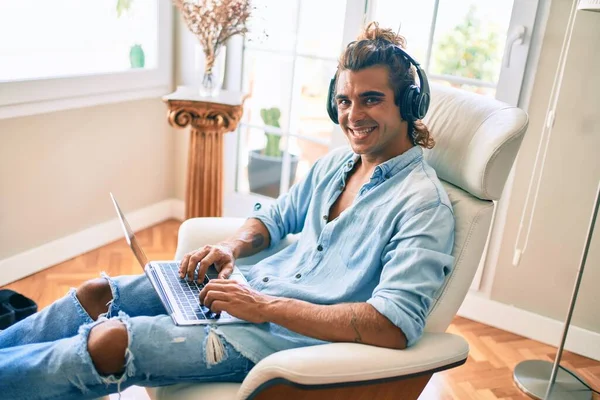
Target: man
(377, 230)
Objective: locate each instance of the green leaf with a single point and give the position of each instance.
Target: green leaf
(123, 6)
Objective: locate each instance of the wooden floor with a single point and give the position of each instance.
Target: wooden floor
(486, 375)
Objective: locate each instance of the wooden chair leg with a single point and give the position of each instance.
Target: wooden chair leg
(405, 389)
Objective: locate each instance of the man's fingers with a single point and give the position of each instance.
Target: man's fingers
(226, 271)
(213, 296)
(189, 262)
(184, 264)
(194, 260)
(222, 282)
(200, 260)
(218, 306)
(206, 262)
(216, 285)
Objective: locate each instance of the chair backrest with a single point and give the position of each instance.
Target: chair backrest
(477, 140)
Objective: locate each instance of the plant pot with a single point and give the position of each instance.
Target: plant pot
(264, 172)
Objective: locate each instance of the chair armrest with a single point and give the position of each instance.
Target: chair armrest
(198, 232)
(337, 363)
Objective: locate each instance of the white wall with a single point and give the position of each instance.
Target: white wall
(57, 169)
(543, 281)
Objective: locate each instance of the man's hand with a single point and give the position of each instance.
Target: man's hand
(219, 255)
(241, 301)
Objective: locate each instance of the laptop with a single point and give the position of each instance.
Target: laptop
(180, 297)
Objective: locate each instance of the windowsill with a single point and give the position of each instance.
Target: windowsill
(53, 105)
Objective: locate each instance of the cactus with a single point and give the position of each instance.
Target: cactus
(271, 118)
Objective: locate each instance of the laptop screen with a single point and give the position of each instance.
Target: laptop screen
(129, 236)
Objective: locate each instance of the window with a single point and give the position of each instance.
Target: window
(458, 42)
(292, 53)
(80, 38)
(70, 48)
(287, 67)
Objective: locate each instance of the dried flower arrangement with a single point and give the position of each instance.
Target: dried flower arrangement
(213, 22)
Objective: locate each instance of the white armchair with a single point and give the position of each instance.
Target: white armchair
(477, 141)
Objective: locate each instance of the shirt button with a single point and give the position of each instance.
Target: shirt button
(298, 276)
(257, 206)
(265, 279)
(387, 176)
(320, 248)
(325, 217)
(349, 165)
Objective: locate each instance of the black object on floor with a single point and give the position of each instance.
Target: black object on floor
(7, 317)
(14, 307)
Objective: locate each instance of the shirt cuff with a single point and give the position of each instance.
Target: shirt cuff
(412, 329)
(262, 215)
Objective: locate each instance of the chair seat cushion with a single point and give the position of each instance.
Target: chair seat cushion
(194, 391)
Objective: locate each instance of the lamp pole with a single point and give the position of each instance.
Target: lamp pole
(586, 249)
(542, 380)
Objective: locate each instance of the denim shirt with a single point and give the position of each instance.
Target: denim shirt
(391, 248)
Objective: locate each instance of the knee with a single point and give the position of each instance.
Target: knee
(107, 344)
(94, 295)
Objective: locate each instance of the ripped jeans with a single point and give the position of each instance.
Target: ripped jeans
(45, 356)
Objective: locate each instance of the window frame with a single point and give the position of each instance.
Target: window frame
(523, 15)
(35, 96)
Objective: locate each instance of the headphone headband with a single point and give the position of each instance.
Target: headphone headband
(415, 101)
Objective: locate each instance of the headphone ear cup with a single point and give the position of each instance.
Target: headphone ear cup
(422, 105)
(407, 105)
(414, 104)
(331, 107)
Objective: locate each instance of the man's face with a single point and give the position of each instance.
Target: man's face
(368, 115)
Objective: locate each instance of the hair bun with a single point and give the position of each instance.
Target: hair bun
(373, 32)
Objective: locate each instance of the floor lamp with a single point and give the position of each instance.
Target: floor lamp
(537, 378)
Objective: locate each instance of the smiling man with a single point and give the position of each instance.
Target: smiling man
(376, 230)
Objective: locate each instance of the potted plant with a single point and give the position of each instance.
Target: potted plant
(137, 58)
(265, 165)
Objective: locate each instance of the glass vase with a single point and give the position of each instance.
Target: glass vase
(212, 76)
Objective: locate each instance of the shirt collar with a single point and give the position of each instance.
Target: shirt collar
(392, 166)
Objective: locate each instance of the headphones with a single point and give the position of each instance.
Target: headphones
(415, 101)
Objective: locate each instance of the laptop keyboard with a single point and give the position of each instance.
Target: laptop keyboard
(187, 293)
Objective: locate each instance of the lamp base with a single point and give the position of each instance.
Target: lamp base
(533, 376)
